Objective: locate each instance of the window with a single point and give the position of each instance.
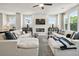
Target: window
(73, 21)
(52, 20)
(11, 20)
(65, 22)
(27, 20)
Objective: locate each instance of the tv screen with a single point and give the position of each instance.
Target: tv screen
(40, 21)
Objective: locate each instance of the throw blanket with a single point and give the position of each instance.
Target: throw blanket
(66, 43)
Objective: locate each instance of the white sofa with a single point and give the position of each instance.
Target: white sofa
(55, 47)
(9, 48)
(58, 52)
(23, 46)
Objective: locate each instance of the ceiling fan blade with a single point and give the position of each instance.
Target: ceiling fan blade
(35, 5)
(49, 4)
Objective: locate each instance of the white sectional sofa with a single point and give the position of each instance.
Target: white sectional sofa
(25, 45)
(55, 47)
(9, 48)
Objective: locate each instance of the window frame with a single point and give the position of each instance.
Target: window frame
(66, 19)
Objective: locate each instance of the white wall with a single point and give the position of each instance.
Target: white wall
(78, 20)
(62, 21)
(59, 20)
(4, 19)
(18, 20)
(1, 21)
(39, 16)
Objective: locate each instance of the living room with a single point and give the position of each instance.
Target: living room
(30, 29)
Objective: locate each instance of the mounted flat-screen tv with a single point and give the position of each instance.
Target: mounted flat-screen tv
(40, 21)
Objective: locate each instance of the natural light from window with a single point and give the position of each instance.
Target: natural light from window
(52, 20)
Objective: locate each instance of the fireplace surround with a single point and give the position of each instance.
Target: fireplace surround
(40, 30)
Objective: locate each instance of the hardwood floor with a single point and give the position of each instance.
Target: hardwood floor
(44, 49)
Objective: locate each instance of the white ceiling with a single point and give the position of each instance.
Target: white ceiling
(28, 8)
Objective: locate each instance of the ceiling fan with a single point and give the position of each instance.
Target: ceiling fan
(42, 5)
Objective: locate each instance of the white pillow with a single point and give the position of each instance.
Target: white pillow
(65, 42)
(28, 35)
(56, 44)
(18, 33)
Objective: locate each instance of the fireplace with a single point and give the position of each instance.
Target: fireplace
(40, 30)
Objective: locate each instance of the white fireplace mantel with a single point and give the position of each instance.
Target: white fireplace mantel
(40, 26)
